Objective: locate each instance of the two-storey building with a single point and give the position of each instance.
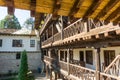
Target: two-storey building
(11, 46)
(81, 50)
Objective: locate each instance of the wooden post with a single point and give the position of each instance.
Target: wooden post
(52, 33)
(50, 74)
(47, 33)
(62, 29)
(46, 71)
(55, 75)
(68, 58)
(97, 51)
(88, 25)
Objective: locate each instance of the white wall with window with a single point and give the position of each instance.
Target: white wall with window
(11, 47)
(87, 55)
(108, 54)
(18, 43)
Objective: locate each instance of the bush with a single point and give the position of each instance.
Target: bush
(22, 75)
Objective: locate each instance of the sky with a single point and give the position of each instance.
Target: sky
(22, 15)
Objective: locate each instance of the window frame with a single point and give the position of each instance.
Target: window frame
(1, 42)
(32, 43)
(17, 43)
(18, 55)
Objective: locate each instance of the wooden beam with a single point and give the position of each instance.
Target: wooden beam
(113, 15)
(117, 20)
(37, 19)
(10, 6)
(92, 8)
(75, 7)
(107, 8)
(33, 8)
(57, 5)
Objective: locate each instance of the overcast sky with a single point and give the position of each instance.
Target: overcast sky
(22, 15)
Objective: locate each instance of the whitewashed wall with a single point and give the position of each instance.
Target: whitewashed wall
(76, 56)
(7, 43)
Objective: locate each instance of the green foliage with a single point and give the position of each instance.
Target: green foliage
(11, 22)
(29, 23)
(22, 75)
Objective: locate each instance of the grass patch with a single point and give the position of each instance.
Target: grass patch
(9, 79)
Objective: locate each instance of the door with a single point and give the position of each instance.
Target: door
(109, 56)
(81, 56)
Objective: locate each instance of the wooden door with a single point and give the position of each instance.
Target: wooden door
(81, 56)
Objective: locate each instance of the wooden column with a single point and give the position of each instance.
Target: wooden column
(52, 33)
(55, 75)
(68, 60)
(62, 35)
(97, 51)
(50, 74)
(88, 25)
(47, 33)
(46, 71)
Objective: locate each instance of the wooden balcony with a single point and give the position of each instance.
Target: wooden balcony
(76, 72)
(46, 20)
(79, 31)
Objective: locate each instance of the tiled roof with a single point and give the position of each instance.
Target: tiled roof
(7, 31)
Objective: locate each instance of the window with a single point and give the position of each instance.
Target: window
(18, 55)
(61, 55)
(89, 57)
(32, 43)
(0, 42)
(17, 43)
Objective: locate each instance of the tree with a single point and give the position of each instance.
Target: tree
(10, 22)
(22, 75)
(29, 23)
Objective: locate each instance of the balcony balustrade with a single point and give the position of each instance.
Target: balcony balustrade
(63, 65)
(82, 73)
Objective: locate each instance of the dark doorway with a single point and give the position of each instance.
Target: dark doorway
(109, 56)
(81, 56)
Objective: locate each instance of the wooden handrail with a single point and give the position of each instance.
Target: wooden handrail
(83, 73)
(117, 58)
(73, 24)
(49, 16)
(110, 77)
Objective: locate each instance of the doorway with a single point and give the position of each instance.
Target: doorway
(109, 56)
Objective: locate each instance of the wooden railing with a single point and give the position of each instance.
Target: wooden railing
(104, 76)
(49, 40)
(114, 67)
(57, 37)
(63, 65)
(46, 20)
(75, 28)
(48, 59)
(82, 73)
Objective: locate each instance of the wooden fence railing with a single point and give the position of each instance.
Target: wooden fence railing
(114, 67)
(83, 73)
(63, 65)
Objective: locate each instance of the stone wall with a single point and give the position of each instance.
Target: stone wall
(9, 63)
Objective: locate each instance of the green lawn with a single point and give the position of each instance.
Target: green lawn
(9, 79)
